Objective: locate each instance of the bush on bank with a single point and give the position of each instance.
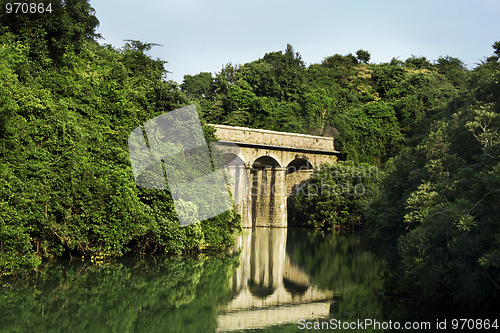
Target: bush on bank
(335, 197)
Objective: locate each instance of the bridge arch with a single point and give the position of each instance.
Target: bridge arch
(266, 161)
(231, 159)
(298, 164)
(258, 155)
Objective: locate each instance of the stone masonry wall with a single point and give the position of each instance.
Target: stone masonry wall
(273, 138)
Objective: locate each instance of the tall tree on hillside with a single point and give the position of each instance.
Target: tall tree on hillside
(363, 56)
(198, 86)
(454, 69)
(288, 70)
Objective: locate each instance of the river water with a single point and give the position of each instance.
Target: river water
(277, 280)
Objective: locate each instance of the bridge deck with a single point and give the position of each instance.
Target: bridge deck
(275, 140)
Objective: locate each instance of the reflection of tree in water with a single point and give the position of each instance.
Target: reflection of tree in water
(175, 295)
(339, 263)
(342, 264)
(333, 261)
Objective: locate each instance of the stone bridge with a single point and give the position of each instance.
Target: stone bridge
(265, 168)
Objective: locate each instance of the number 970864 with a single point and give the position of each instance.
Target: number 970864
(27, 8)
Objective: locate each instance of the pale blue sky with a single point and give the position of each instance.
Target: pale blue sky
(202, 35)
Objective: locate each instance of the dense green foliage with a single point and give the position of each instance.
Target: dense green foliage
(436, 220)
(66, 181)
(335, 197)
(52, 35)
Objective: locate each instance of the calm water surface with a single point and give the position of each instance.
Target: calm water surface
(275, 278)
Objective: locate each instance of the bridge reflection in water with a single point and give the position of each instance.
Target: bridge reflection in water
(269, 289)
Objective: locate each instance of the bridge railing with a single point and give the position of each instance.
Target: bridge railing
(273, 138)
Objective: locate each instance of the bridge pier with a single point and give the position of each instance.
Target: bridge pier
(268, 200)
(260, 194)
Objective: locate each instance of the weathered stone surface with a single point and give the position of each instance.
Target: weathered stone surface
(272, 138)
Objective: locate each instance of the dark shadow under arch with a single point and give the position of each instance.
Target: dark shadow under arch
(265, 162)
(295, 288)
(260, 290)
(298, 164)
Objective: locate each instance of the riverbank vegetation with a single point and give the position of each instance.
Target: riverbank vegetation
(436, 218)
(67, 106)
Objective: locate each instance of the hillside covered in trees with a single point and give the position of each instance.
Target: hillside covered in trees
(369, 108)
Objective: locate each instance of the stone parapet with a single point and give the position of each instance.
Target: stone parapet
(255, 136)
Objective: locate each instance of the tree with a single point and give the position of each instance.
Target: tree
(136, 59)
(387, 81)
(363, 56)
(225, 79)
(418, 62)
(453, 68)
(198, 86)
(367, 133)
(494, 58)
(343, 67)
(288, 71)
(484, 125)
(71, 23)
(338, 60)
